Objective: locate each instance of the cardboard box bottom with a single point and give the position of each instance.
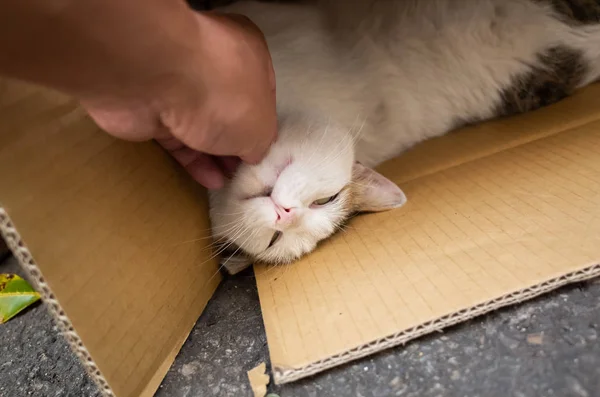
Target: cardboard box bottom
(117, 239)
(497, 213)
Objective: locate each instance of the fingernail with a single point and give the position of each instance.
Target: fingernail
(212, 179)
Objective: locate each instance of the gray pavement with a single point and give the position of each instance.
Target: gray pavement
(546, 347)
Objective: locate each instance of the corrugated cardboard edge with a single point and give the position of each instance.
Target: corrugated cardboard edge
(25, 258)
(286, 375)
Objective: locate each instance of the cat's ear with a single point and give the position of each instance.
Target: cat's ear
(373, 192)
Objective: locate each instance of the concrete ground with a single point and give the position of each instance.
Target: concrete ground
(546, 347)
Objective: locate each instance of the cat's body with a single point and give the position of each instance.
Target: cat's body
(365, 80)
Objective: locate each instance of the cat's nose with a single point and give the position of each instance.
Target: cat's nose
(285, 216)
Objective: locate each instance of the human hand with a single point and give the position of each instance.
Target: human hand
(209, 109)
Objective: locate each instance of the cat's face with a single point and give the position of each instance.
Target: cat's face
(305, 188)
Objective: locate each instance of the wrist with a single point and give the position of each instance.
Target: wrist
(102, 48)
(154, 64)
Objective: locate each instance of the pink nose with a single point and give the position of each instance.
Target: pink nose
(285, 215)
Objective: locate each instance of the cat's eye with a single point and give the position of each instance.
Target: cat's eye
(325, 200)
(275, 238)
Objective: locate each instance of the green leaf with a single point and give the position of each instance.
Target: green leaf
(15, 295)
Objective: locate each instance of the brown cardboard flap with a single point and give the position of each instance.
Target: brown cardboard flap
(116, 236)
(496, 214)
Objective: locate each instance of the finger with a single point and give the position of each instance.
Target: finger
(170, 143)
(228, 164)
(184, 155)
(272, 80)
(242, 21)
(200, 166)
(256, 152)
(255, 156)
(206, 172)
(259, 150)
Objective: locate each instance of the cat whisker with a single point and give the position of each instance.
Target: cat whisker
(243, 228)
(233, 229)
(312, 152)
(348, 141)
(208, 230)
(195, 240)
(252, 235)
(229, 213)
(234, 223)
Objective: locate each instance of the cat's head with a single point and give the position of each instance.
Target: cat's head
(308, 185)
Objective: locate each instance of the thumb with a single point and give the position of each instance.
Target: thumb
(256, 153)
(255, 156)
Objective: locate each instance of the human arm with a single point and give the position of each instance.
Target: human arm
(199, 83)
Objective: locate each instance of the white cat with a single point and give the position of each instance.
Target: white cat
(359, 82)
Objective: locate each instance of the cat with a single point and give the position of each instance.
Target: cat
(360, 82)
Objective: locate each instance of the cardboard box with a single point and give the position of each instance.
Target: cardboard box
(116, 237)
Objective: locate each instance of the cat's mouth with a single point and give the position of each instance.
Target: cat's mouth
(226, 248)
(276, 237)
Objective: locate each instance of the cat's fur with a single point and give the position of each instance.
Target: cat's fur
(359, 82)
